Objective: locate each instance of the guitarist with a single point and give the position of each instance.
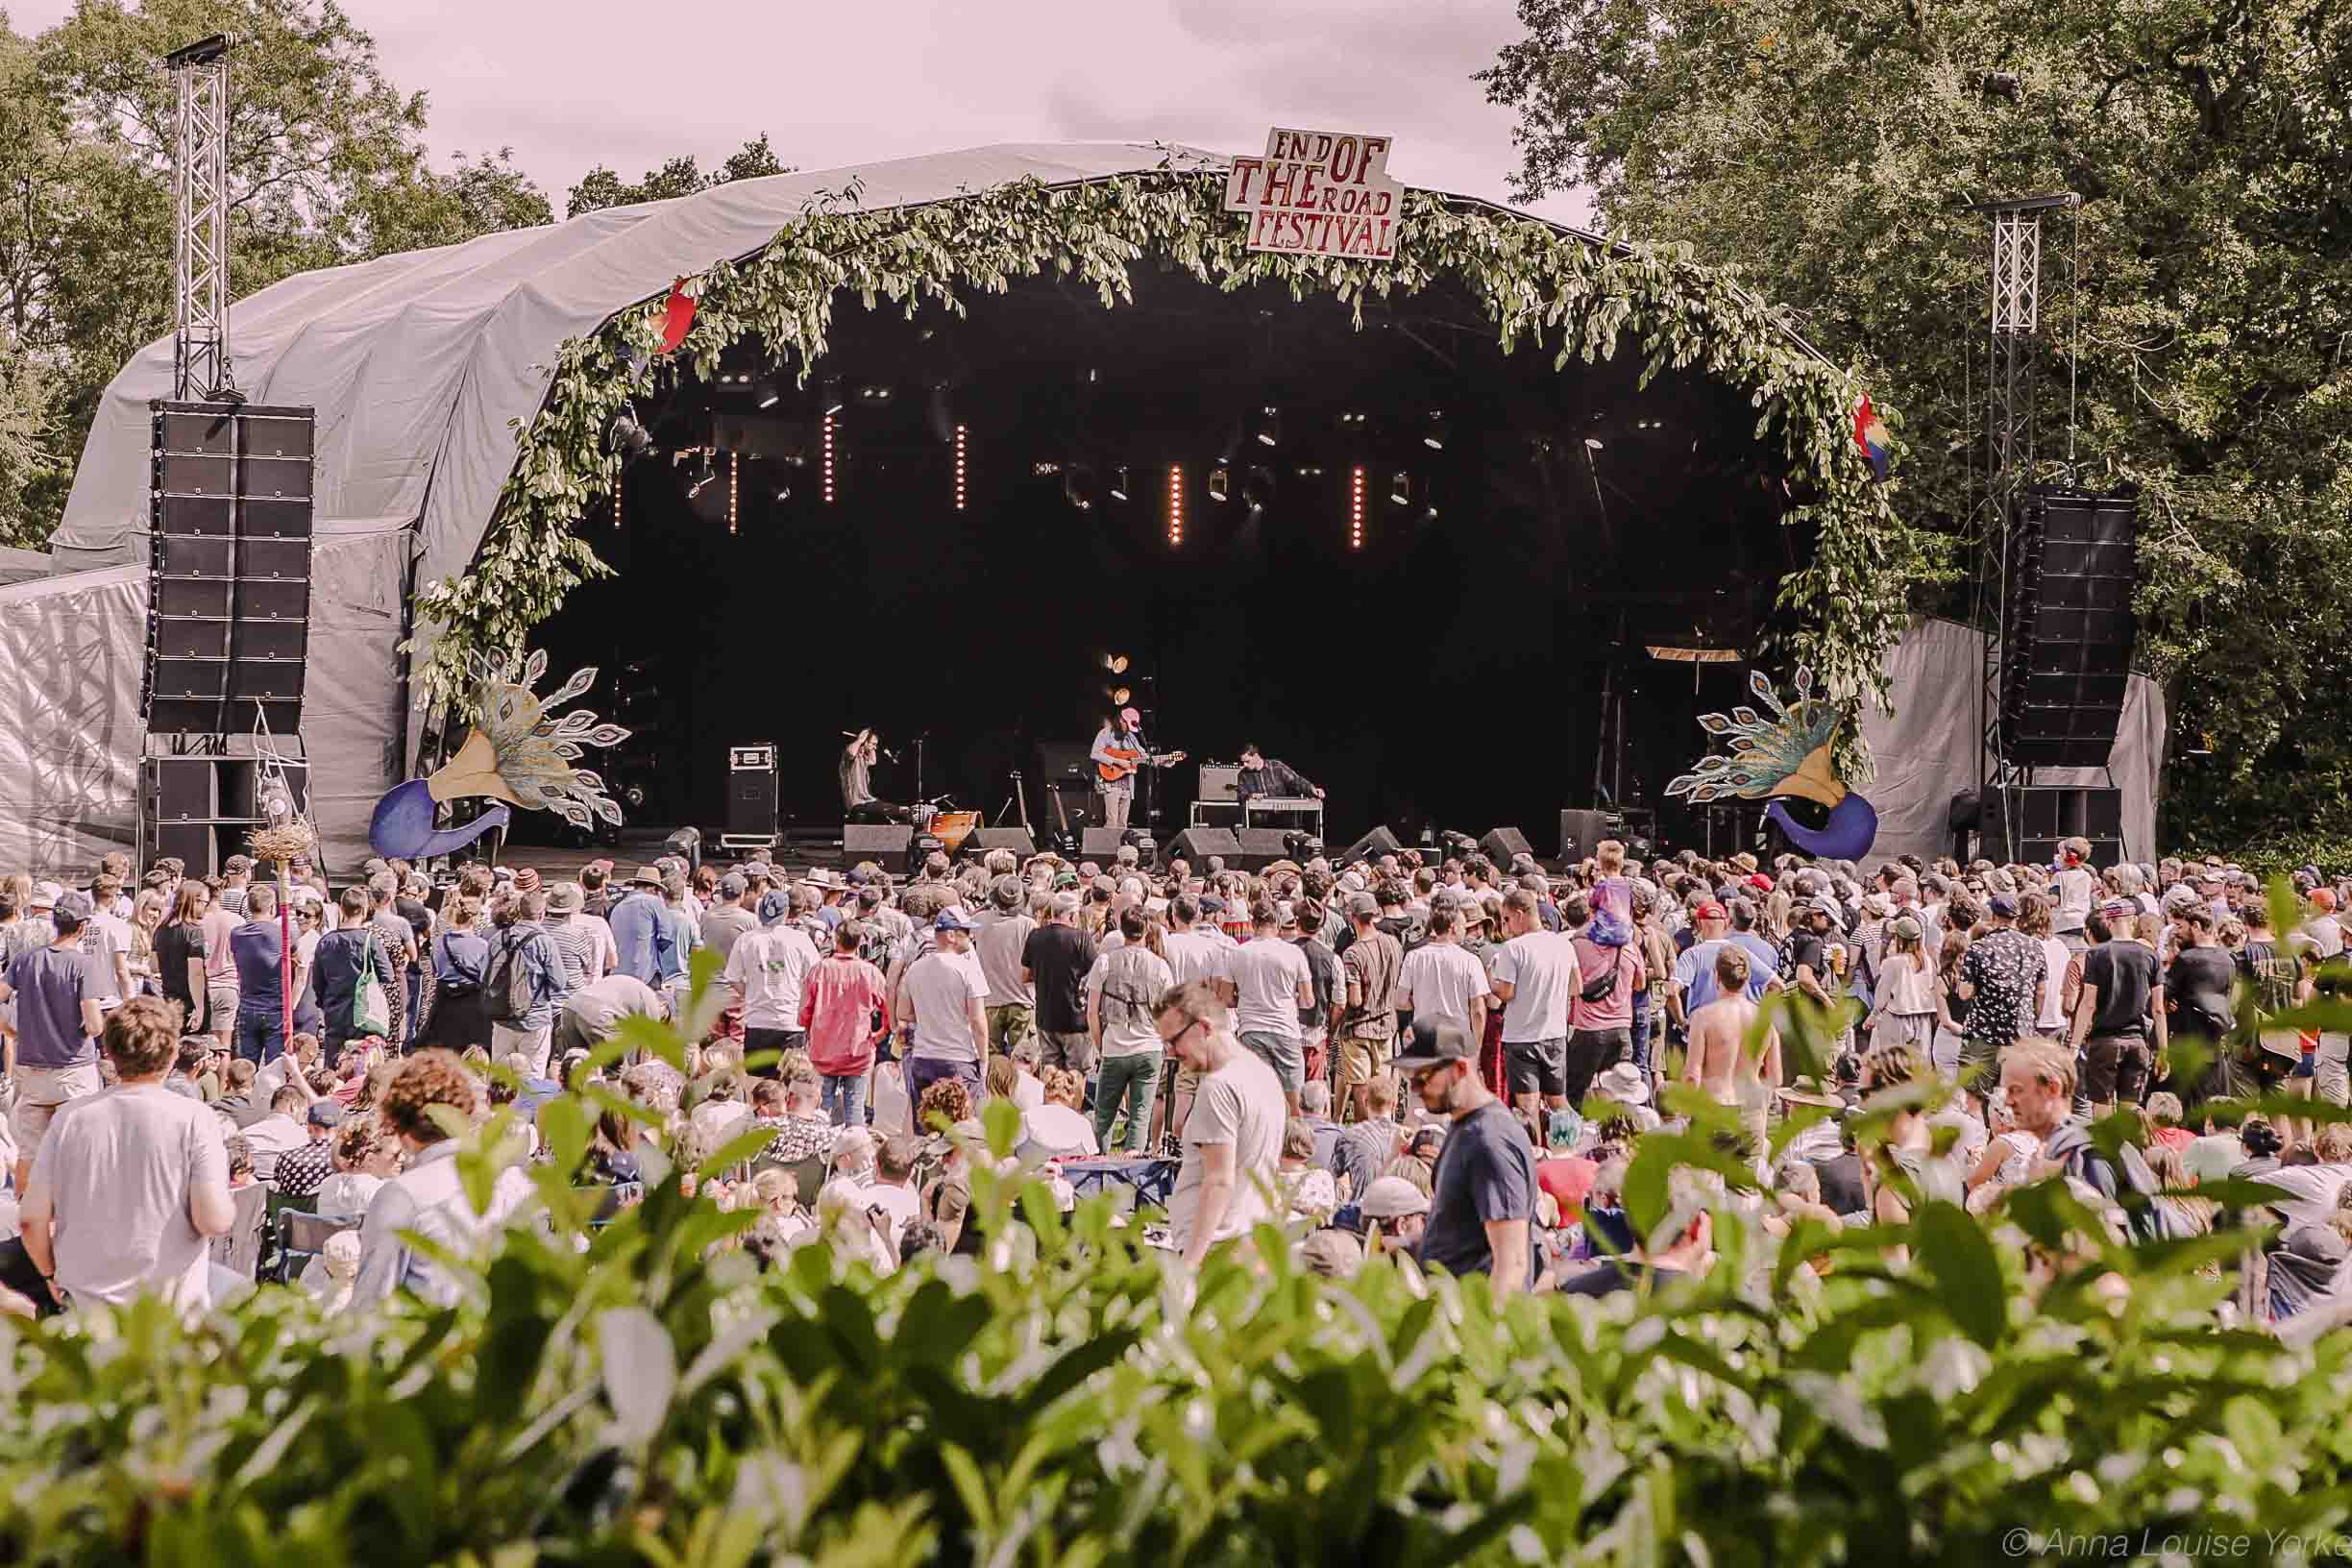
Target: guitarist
(1118, 752)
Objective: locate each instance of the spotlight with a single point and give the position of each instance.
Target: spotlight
(783, 491)
(1351, 416)
(626, 436)
(1434, 436)
(1115, 663)
(1119, 695)
(833, 404)
(1220, 482)
(766, 392)
(1266, 425)
(1257, 489)
(702, 479)
(874, 392)
(1592, 442)
(1118, 482)
(1399, 488)
(1078, 486)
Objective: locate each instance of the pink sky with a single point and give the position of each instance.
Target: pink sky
(568, 83)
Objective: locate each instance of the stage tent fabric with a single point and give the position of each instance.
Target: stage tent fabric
(422, 366)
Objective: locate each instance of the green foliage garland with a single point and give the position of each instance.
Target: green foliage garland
(1569, 294)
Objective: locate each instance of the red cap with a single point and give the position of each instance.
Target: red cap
(1760, 882)
(1710, 912)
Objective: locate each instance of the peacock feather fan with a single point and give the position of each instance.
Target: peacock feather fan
(1767, 751)
(534, 749)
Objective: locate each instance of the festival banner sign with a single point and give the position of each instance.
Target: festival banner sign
(1318, 193)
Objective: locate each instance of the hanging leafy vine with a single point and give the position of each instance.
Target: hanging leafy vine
(1578, 298)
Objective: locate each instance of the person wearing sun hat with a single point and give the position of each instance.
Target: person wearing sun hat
(641, 928)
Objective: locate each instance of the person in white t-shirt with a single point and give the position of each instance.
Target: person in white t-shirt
(1231, 1178)
(1272, 983)
(893, 1190)
(1058, 1129)
(1536, 976)
(1193, 953)
(1444, 983)
(941, 994)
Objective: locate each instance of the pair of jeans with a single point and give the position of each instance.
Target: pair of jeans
(1128, 1081)
(922, 1071)
(260, 1035)
(1641, 1029)
(843, 1098)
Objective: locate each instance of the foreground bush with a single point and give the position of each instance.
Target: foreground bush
(1077, 1401)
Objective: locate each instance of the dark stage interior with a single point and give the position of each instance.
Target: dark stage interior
(1444, 662)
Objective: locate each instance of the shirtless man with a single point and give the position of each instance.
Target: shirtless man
(1718, 1061)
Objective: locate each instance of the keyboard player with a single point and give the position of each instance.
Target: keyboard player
(1265, 776)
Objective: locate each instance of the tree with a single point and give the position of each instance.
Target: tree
(601, 187)
(1833, 152)
(327, 165)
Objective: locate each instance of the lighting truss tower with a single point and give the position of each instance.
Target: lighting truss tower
(2013, 360)
(200, 221)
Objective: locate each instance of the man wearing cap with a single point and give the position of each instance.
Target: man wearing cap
(941, 996)
(640, 929)
(1121, 988)
(730, 916)
(58, 1022)
(1055, 960)
(236, 875)
(1273, 985)
(1001, 938)
(2121, 1002)
(2003, 978)
(1397, 1211)
(767, 968)
(1482, 1192)
(1121, 732)
(1372, 965)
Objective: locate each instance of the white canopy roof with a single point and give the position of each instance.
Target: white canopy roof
(418, 364)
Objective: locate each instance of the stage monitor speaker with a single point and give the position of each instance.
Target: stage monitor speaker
(1099, 843)
(2068, 630)
(885, 844)
(1371, 846)
(1260, 847)
(1197, 844)
(229, 568)
(752, 791)
(1582, 831)
(1504, 845)
(981, 840)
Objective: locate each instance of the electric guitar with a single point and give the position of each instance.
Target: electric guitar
(1125, 760)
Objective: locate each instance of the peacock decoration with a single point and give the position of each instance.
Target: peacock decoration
(518, 753)
(1785, 752)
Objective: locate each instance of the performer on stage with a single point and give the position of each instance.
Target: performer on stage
(1261, 775)
(858, 803)
(1119, 748)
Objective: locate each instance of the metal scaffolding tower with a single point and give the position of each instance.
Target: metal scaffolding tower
(200, 222)
(2010, 429)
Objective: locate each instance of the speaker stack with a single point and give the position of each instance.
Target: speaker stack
(2069, 635)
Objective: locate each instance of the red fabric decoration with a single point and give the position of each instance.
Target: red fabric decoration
(678, 318)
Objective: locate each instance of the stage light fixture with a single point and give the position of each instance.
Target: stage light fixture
(1078, 486)
(1592, 442)
(628, 437)
(734, 487)
(833, 404)
(961, 451)
(783, 491)
(1310, 471)
(702, 479)
(1115, 663)
(1220, 482)
(831, 414)
(874, 392)
(1353, 416)
(766, 392)
(1119, 695)
(1258, 488)
(1434, 436)
(1356, 505)
(1399, 488)
(1118, 482)
(1176, 503)
(1266, 425)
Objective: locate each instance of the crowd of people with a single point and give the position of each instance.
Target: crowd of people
(1448, 1060)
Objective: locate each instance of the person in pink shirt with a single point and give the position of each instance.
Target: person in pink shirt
(845, 1012)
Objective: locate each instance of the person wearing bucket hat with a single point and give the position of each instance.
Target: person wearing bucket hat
(643, 937)
(1003, 933)
(1482, 1192)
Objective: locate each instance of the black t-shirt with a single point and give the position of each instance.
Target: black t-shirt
(1805, 948)
(1056, 957)
(419, 918)
(1841, 1184)
(1409, 930)
(173, 945)
(2201, 978)
(2124, 973)
(1486, 1171)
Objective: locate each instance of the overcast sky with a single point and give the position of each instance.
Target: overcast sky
(568, 83)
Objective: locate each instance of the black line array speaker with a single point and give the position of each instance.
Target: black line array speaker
(981, 840)
(2068, 634)
(229, 568)
(2048, 815)
(1503, 844)
(1197, 844)
(752, 791)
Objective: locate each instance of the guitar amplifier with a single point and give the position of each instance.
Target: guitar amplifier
(1218, 783)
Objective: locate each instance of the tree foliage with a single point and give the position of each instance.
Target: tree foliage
(681, 175)
(1833, 152)
(327, 165)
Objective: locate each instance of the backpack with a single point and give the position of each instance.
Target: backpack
(507, 982)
